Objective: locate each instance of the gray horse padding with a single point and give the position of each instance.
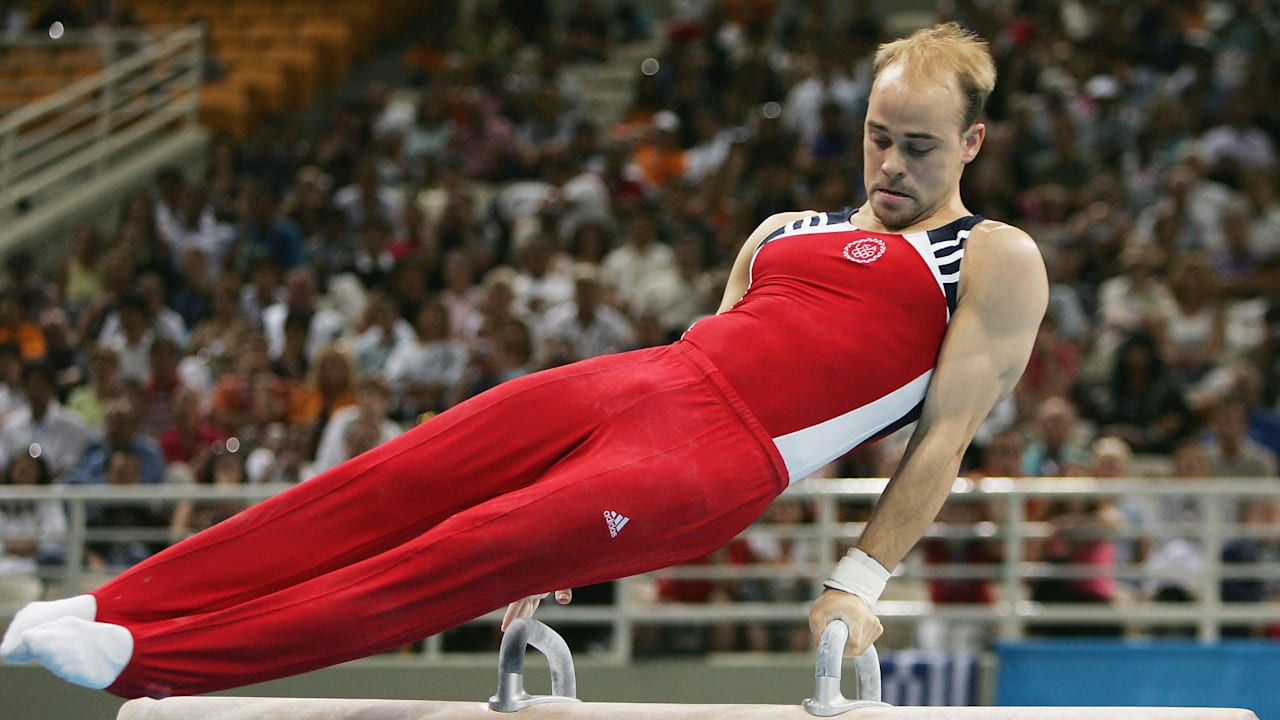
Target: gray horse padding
(512, 702)
(234, 708)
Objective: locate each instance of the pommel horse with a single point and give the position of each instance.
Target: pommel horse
(511, 702)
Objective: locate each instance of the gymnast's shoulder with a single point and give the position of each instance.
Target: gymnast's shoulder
(1003, 255)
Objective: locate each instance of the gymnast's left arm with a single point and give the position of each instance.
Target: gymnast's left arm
(1003, 295)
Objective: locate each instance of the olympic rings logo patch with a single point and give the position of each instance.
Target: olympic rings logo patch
(864, 250)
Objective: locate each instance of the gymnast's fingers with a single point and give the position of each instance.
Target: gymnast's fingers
(864, 627)
(520, 609)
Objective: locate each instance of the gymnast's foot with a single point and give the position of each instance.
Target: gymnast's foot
(14, 650)
(89, 654)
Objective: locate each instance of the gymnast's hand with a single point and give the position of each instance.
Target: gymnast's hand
(524, 608)
(864, 626)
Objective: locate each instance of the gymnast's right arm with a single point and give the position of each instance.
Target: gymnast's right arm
(1003, 296)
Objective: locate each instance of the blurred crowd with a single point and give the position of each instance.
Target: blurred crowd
(322, 286)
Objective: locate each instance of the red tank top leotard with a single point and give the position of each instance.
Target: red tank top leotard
(836, 338)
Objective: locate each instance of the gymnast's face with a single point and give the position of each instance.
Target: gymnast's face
(914, 147)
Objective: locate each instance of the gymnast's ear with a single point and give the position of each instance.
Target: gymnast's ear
(971, 142)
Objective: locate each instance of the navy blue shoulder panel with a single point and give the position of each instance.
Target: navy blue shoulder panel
(948, 249)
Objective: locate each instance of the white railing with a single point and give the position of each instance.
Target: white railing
(1007, 618)
(148, 86)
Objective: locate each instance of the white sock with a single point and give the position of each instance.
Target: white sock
(13, 650)
(90, 654)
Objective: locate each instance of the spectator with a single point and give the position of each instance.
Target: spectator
(429, 134)
(587, 327)
(1143, 404)
(368, 200)
(423, 369)
(42, 425)
(1136, 301)
(1240, 266)
(16, 329)
(482, 141)
(81, 279)
(191, 298)
(1055, 449)
(1084, 536)
(329, 386)
(460, 294)
(506, 353)
(283, 456)
(541, 283)
(681, 294)
(263, 289)
(250, 395)
(129, 331)
(1190, 209)
(191, 437)
(959, 546)
(12, 395)
(710, 149)
(659, 156)
(89, 401)
(1052, 369)
(193, 225)
(787, 544)
(1175, 568)
(309, 204)
(828, 85)
(216, 338)
(160, 393)
(1233, 454)
(1264, 205)
(32, 533)
(1237, 142)
(373, 403)
(120, 468)
(326, 325)
(587, 33)
(120, 435)
(35, 293)
(547, 130)
(379, 332)
(226, 468)
(264, 233)
(1195, 330)
(1257, 514)
(293, 363)
(62, 350)
(642, 255)
(170, 186)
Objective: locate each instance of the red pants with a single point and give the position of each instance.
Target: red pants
(509, 494)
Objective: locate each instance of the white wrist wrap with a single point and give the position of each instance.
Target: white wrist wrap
(859, 574)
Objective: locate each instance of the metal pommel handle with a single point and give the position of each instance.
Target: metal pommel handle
(827, 700)
(511, 695)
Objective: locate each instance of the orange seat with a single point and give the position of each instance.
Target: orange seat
(301, 67)
(225, 107)
(264, 86)
(332, 37)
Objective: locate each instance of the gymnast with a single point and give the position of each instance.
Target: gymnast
(835, 329)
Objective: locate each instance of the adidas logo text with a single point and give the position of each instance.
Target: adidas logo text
(615, 521)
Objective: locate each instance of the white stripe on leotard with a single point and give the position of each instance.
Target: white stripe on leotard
(808, 449)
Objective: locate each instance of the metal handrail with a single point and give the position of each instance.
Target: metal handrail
(1010, 615)
(83, 129)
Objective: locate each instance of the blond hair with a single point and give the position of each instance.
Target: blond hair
(941, 51)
